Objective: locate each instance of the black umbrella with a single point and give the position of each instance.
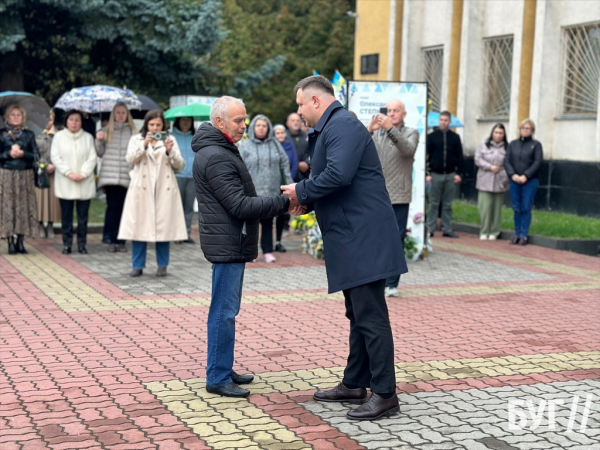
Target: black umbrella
(147, 105)
(38, 111)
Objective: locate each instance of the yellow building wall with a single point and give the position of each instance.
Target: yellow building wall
(372, 36)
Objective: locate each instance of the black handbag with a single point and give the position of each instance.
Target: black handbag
(42, 181)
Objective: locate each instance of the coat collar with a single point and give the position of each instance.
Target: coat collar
(325, 117)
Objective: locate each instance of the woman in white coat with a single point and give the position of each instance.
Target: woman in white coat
(74, 157)
(153, 211)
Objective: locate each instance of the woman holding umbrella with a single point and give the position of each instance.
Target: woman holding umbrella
(48, 206)
(111, 146)
(18, 152)
(153, 211)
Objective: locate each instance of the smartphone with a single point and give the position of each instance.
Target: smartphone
(160, 135)
(383, 111)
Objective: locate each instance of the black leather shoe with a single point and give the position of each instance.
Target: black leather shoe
(241, 379)
(66, 250)
(189, 241)
(523, 241)
(229, 390)
(136, 273)
(375, 408)
(515, 240)
(82, 250)
(341, 393)
(280, 248)
(451, 235)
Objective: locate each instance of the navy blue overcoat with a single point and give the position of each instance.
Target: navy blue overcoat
(347, 189)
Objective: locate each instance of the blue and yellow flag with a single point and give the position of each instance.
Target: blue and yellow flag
(341, 88)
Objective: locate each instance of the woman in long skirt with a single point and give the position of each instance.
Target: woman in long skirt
(18, 152)
(48, 206)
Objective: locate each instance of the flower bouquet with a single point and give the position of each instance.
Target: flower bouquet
(312, 241)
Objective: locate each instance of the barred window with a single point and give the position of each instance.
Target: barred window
(581, 65)
(498, 56)
(433, 64)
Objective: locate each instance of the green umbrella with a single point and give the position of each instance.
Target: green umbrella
(195, 110)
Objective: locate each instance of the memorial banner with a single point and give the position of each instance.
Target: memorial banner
(364, 99)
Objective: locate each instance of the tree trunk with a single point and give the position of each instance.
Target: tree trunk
(12, 76)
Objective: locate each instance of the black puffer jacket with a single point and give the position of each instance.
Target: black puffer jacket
(524, 157)
(227, 199)
(30, 150)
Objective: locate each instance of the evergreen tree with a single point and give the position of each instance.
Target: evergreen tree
(49, 46)
(275, 43)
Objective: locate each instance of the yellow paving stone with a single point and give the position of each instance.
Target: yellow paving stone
(250, 428)
(223, 422)
(73, 295)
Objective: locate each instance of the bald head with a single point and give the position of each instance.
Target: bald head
(293, 123)
(396, 112)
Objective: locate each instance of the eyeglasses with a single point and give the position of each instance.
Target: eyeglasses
(526, 128)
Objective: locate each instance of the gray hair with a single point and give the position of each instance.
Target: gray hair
(221, 106)
(529, 122)
(278, 127)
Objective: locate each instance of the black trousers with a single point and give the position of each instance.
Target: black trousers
(281, 222)
(83, 208)
(266, 237)
(401, 213)
(371, 357)
(115, 200)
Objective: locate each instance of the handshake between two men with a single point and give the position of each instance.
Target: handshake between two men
(296, 208)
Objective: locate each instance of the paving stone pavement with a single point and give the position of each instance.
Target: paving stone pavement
(496, 347)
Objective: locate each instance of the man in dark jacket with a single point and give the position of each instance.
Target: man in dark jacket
(229, 215)
(444, 169)
(299, 139)
(360, 238)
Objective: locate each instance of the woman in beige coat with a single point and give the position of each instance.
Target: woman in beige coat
(153, 211)
(74, 158)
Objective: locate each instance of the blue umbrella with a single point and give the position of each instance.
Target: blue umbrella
(97, 99)
(38, 111)
(433, 120)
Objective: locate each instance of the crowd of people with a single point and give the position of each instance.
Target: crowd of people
(135, 163)
(351, 176)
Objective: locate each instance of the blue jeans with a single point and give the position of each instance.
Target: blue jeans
(138, 254)
(401, 213)
(522, 202)
(227, 280)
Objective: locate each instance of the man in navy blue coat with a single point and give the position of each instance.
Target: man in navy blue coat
(360, 238)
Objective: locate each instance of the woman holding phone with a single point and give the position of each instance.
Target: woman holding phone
(153, 211)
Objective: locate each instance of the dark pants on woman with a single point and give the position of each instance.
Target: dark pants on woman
(281, 222)
(115, 200)
(401, 213)
(266, 238)
(371, 357)
(522, 203)
(67, 207)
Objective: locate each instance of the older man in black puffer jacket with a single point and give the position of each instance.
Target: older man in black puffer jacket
(229, 216)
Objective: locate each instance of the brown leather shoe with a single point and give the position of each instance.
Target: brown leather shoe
(375, 408)
(341, 393)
